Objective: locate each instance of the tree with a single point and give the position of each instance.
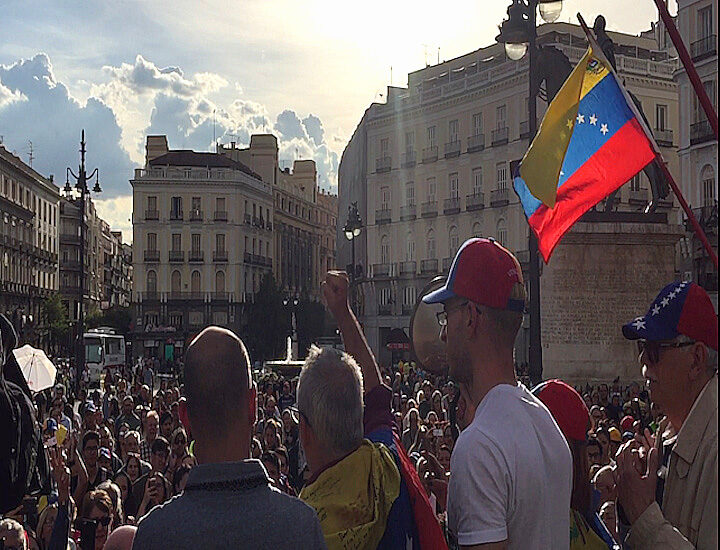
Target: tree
(58, 322)
(310, 316)
(117, 317)
(267, 322)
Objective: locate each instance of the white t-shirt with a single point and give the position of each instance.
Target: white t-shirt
(511, 475)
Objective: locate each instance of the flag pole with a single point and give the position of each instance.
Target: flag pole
(689, 67)
(658, 155)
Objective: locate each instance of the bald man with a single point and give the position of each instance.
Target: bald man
(228, 501)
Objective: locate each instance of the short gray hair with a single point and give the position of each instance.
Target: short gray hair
(330, 397)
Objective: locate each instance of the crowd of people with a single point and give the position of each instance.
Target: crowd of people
(351, 454)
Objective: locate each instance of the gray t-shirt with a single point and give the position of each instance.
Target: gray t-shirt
(230, 505)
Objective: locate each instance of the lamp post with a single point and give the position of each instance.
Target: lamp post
(81, 185)
(292, 349)
(519, 35)
(353, 228)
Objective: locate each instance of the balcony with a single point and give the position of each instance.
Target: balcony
(220, 296)
(69, 238)
(220, 216)
(704, 48)
(175, 256)
(408, 213)
(409, 159)
(429, 266)
(499, 197)
(407, 309)
(151, 256)
(176, 215)
(196, 256)
(71, 265)
(429, 209)
(268, 225)
(663, 137)
(247, 258)
(524, 129)
(150, 296)
(476, 201)
(220, 256)
(381, 270)
(452, 149)
(446, 263)
(196, 215)
(383, 215)
(700, 132)
(176, 295)
(430, 154)
(383, 164)
(408, 268)
(152, 214)
(451, 205)
(476, 143)
(384, 309)
(638, 196)
(499, 136)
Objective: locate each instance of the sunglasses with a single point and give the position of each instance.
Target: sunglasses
(652, 349)
(443, 315)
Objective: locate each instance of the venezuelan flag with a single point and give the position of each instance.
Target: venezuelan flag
(589, 144)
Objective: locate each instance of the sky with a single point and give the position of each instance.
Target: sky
(198, 69)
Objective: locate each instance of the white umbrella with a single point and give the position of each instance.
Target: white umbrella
(36, 367)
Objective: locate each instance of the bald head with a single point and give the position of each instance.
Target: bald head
(217, 382)
(121, 538)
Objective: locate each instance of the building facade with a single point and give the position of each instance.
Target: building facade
(436, 160)
(202, 240)
(28, 245)
(698, 146)
(117, 269)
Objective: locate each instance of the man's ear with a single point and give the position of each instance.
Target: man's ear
(699, 360)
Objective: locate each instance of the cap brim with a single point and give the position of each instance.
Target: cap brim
(438, 296)
(652, 331)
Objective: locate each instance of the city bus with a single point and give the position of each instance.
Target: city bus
(103, 348)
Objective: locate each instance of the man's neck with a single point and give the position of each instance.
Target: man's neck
(490, 371)
(677, 413)
(231, 449)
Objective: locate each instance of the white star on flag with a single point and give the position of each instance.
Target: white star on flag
(593, 119)
(639, 324)
(604, 129)
(562, 173)
(656, 309)
(580, 118)
(665, 301)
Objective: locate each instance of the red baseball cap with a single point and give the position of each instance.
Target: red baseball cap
(566, 406)
(484, 272)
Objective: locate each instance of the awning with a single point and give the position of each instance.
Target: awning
(398, 340)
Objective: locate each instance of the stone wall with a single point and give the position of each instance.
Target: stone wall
(599, 277)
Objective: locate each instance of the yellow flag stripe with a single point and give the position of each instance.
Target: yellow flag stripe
(540, 168)
(595, 71)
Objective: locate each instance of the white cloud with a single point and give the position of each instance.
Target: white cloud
(116, 212)
(8, 96)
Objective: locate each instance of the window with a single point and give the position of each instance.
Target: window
(152, 241)
(410, 247)
(477, 124)
(152, 203)
(477, 180)
(431, 252)
(431, 136)
(195, 242)
(384, 147)
(500, 117)
(501, 174)
(502, 231)
(409, 296)
(410, 194)
(708, 186)
(660, 117)
(220, 281)
(176, 242)
(453, 185)
(385, 198)
(195, 281)
(220, 204)
(384, 250)
(453, 130)
(196, 204)
(176, 207)
(385, 296)
(705, 25)
(175, 282)
(476, 230)
(635, 182)
(431, 189)
(409, 142)
(220, 242)
(453, 241)
(151, 284)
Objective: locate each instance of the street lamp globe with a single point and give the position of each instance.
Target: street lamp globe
(356, 232)
(550, 10)
(516, 51)
(349, 233)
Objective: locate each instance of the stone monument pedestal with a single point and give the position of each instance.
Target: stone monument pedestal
(604, 272)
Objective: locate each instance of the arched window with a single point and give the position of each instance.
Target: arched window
(151, 283)
(477, 230)
(220, 281)
(502, 232)
(707, 177)
(384, 250)
(195, 281)
(175, 282)
(431, 250)
(453, 241)
(410, 247)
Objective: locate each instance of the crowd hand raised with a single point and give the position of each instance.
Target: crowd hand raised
(335, 291)
(636, 477)
(61, 475)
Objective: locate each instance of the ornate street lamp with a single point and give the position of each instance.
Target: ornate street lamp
(519, 35)
(81, 179)
(353, 228)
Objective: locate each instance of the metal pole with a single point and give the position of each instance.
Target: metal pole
(83, 230)
(352, 274)
(535, 367)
